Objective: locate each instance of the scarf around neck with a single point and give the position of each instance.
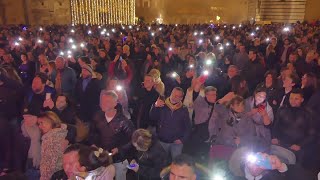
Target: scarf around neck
(173, 107)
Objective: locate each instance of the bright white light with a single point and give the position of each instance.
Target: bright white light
(137, 29)
(224, 26)
(108, 34)
(286, 29)
(218, 177)
(191, 66)
(104, 29)
(89, 32)
(69, 56)
(152, 34)
(16, 44)
(69, 52)
(233, 27)
(40, 41)
(149, 28)
(41, 29)
(268, 39)
(195, 33)
(221, 47)
(102, 32)
(257, 28)
(252, 34)
(110, 154)
(201, 33)
(174, 75)
(176, 25)
(20, 39)
(61, 53)
(113, 30)
(99, 27)
(82, 45)
(217, 38)
(119, 88)
(72, 31)
(70, 40)
(160, 29)
(227, 44)
(200, 41)
(206, 72)
(208, 62)
(123, 27)
(130, 27)
(170, 48)
(252, 158)
(73, 47)
(240, 25)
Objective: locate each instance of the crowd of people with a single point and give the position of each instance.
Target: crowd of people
(149, 101)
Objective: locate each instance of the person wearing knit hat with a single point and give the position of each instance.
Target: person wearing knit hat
(88, 68)
(87, 93)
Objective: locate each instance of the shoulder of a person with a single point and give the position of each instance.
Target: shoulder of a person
(109, 171)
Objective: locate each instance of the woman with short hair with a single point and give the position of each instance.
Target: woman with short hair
(150, 158)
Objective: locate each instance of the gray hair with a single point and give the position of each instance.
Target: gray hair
(111, 93)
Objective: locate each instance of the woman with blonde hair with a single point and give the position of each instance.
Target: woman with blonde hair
(53, 143)
(159, 85)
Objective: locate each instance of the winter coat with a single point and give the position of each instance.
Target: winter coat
(52, 149)
(10, 97)
(145, 101)
(114, 134)
(68, 80)
(88, 99)
(34, 102)
(171, 125)
(254, 73)
(262, 131)
(152, 161)
(294, 126)
(225, 127)
(102, 173)
(202, 110)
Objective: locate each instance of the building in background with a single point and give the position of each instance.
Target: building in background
(37, 12)
(288, 11)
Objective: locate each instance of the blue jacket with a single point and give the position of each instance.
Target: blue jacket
(171, 125)
(68, 80)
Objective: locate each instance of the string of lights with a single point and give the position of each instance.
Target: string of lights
(99, 12)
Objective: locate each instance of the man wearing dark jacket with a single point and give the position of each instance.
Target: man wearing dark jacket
(173, 122)
(112, 131)
(253, 71)
(37, 97)
(294, 126)
(147, 96)
(87, 94)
